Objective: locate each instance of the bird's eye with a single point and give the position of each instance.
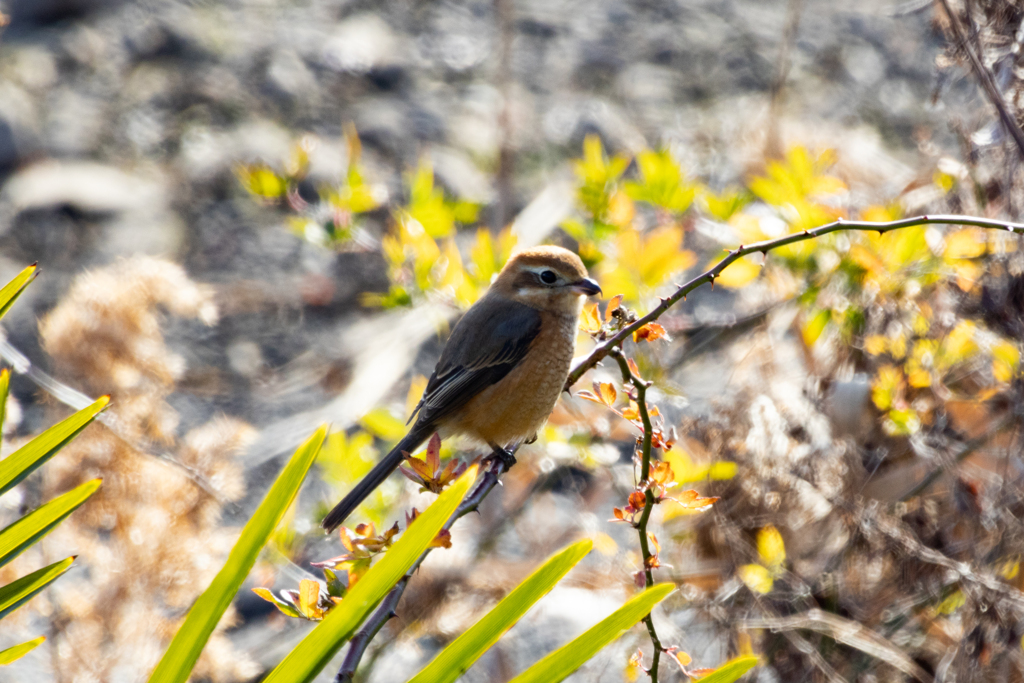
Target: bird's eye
(548, 277)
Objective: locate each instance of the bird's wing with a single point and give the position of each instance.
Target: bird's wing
(485, 345)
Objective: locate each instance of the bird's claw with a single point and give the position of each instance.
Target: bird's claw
(506, 456)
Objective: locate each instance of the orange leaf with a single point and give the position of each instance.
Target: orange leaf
(651, 332)
(590, 321)
(613, 304)
(433, 458)
(589, 396)
(637, 500)
(607, 392)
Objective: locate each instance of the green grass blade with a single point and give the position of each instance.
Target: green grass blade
(14, 594)
(5, 385)
(177, 663)
(15, 653)
(566, 659)
(311, 655)
(731, 670)
(26, 459)
(15, 287)
(455, 659)
(36, 524)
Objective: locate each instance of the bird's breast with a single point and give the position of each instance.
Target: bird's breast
(517, 406)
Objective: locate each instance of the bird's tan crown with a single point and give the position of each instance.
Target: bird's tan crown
(562, 261)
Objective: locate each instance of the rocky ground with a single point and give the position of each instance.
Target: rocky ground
(121, 124)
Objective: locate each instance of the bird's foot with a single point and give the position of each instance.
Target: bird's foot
(507, 456)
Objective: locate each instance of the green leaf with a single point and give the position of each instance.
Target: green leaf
(33, 526)
(5, 383)
(176, 664)
(15, 287)
(14, 594)
(566, 659)
(731, 670)
(26, 459)
(15, 653)
(311, 655)
(455, 659)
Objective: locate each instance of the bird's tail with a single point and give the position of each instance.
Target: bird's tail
(373, 479)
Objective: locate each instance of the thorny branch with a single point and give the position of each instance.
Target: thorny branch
(495, 467)
(603, 349)
(645, 473)
(611, 347)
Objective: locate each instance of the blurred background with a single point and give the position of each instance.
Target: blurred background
(256, 216)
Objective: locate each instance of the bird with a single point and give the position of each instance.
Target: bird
(502, 368)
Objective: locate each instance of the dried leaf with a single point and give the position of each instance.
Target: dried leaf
(651, 332)
(607, 392)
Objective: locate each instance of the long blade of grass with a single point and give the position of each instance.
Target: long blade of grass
(14, 594)
(566, 659)
(5, 385)
(33, 526)
(188, 643)
(455, 659)
(731, 670)
(311, 655)
(26, 459)
(12, 289)
(15, 653)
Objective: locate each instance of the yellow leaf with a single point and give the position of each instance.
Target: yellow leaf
(885, 386)
(748, 228)
(815, 326)
(771, 549)
(416, 389)
(309, 599)
(952, 603)
(383, 424)
(966, 243)
(1005, 359)
(919, 378)
(959, 344)
(737, 274)
(944, 181)
(756, 577)
(620, 210)
(881, 214)
(661, 256)
(722, 470)
(723, 206)
(605, 544)
(876, 344)
(967, 274)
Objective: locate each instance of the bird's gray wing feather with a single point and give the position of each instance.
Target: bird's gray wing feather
(485, 345)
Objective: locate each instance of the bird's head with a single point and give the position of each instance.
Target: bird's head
(548, 279)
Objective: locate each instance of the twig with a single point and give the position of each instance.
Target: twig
(988, 83)
(968, 447)
(645, 473)
(603, 349)
(357, 646)
(844, 631)
(76, 400)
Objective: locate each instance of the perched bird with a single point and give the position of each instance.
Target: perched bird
(503, 367)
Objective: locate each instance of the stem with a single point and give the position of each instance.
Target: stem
(645, 473)
(988, 83)
(357, 646)
(605, 348)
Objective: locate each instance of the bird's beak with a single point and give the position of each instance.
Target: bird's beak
(587, 286)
